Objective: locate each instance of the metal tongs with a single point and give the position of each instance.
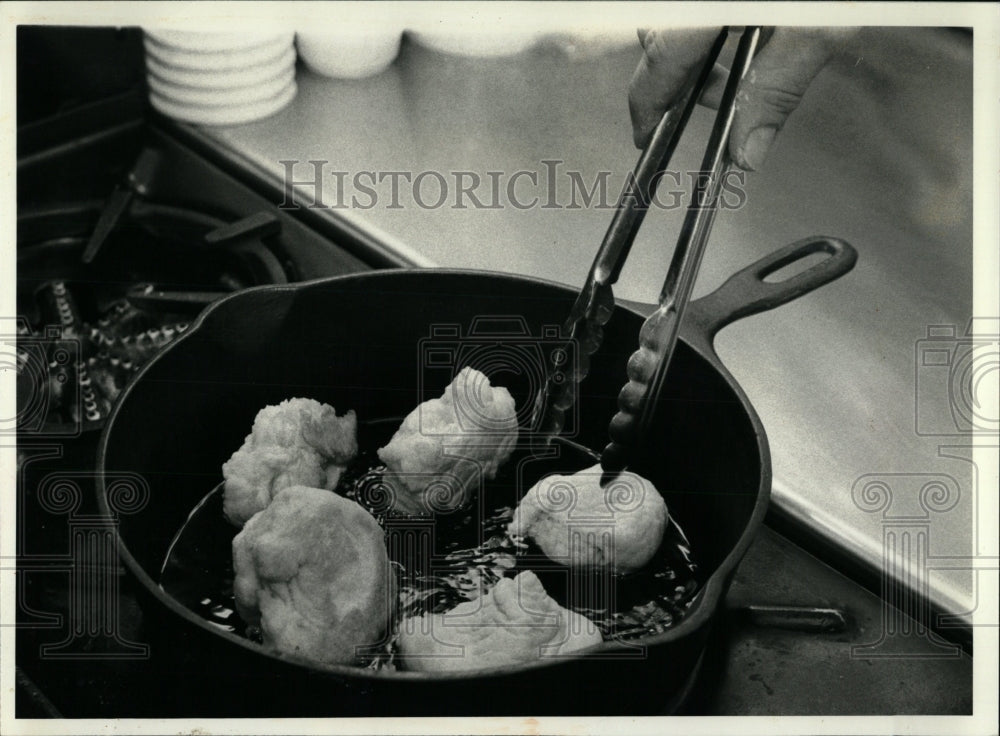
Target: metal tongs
(647, 367)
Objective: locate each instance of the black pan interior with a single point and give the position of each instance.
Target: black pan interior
(364, 344)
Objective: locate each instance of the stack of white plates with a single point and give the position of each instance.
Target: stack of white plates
(219, 78)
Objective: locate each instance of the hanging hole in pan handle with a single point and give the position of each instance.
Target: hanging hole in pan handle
(748, 292)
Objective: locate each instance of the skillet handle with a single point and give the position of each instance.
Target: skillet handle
(746, 292)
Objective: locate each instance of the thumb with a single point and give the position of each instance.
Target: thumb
(669, 58)
(775, 84)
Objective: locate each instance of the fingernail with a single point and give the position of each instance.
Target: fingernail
(755, 149)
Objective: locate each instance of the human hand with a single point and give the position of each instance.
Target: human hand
(774, 85)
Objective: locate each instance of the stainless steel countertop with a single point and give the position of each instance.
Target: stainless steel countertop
(879, 153)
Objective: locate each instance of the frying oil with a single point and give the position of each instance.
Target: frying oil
(454, 557)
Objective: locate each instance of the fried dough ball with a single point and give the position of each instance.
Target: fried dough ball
(514, 622)
(447, 446)
(299, 442)
(312, 571)
(578, 522)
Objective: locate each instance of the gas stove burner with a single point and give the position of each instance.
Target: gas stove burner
(76, 369)
(85, 328)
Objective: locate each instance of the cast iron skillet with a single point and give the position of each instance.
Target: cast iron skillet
(360, 342)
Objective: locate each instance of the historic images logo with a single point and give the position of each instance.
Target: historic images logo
(313, 184)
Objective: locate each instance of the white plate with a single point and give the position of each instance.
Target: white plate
(206, 42)
(224, 78)
(237, 95)
(347, 53)
(226, 115)
(457, 39)
(269, 52)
